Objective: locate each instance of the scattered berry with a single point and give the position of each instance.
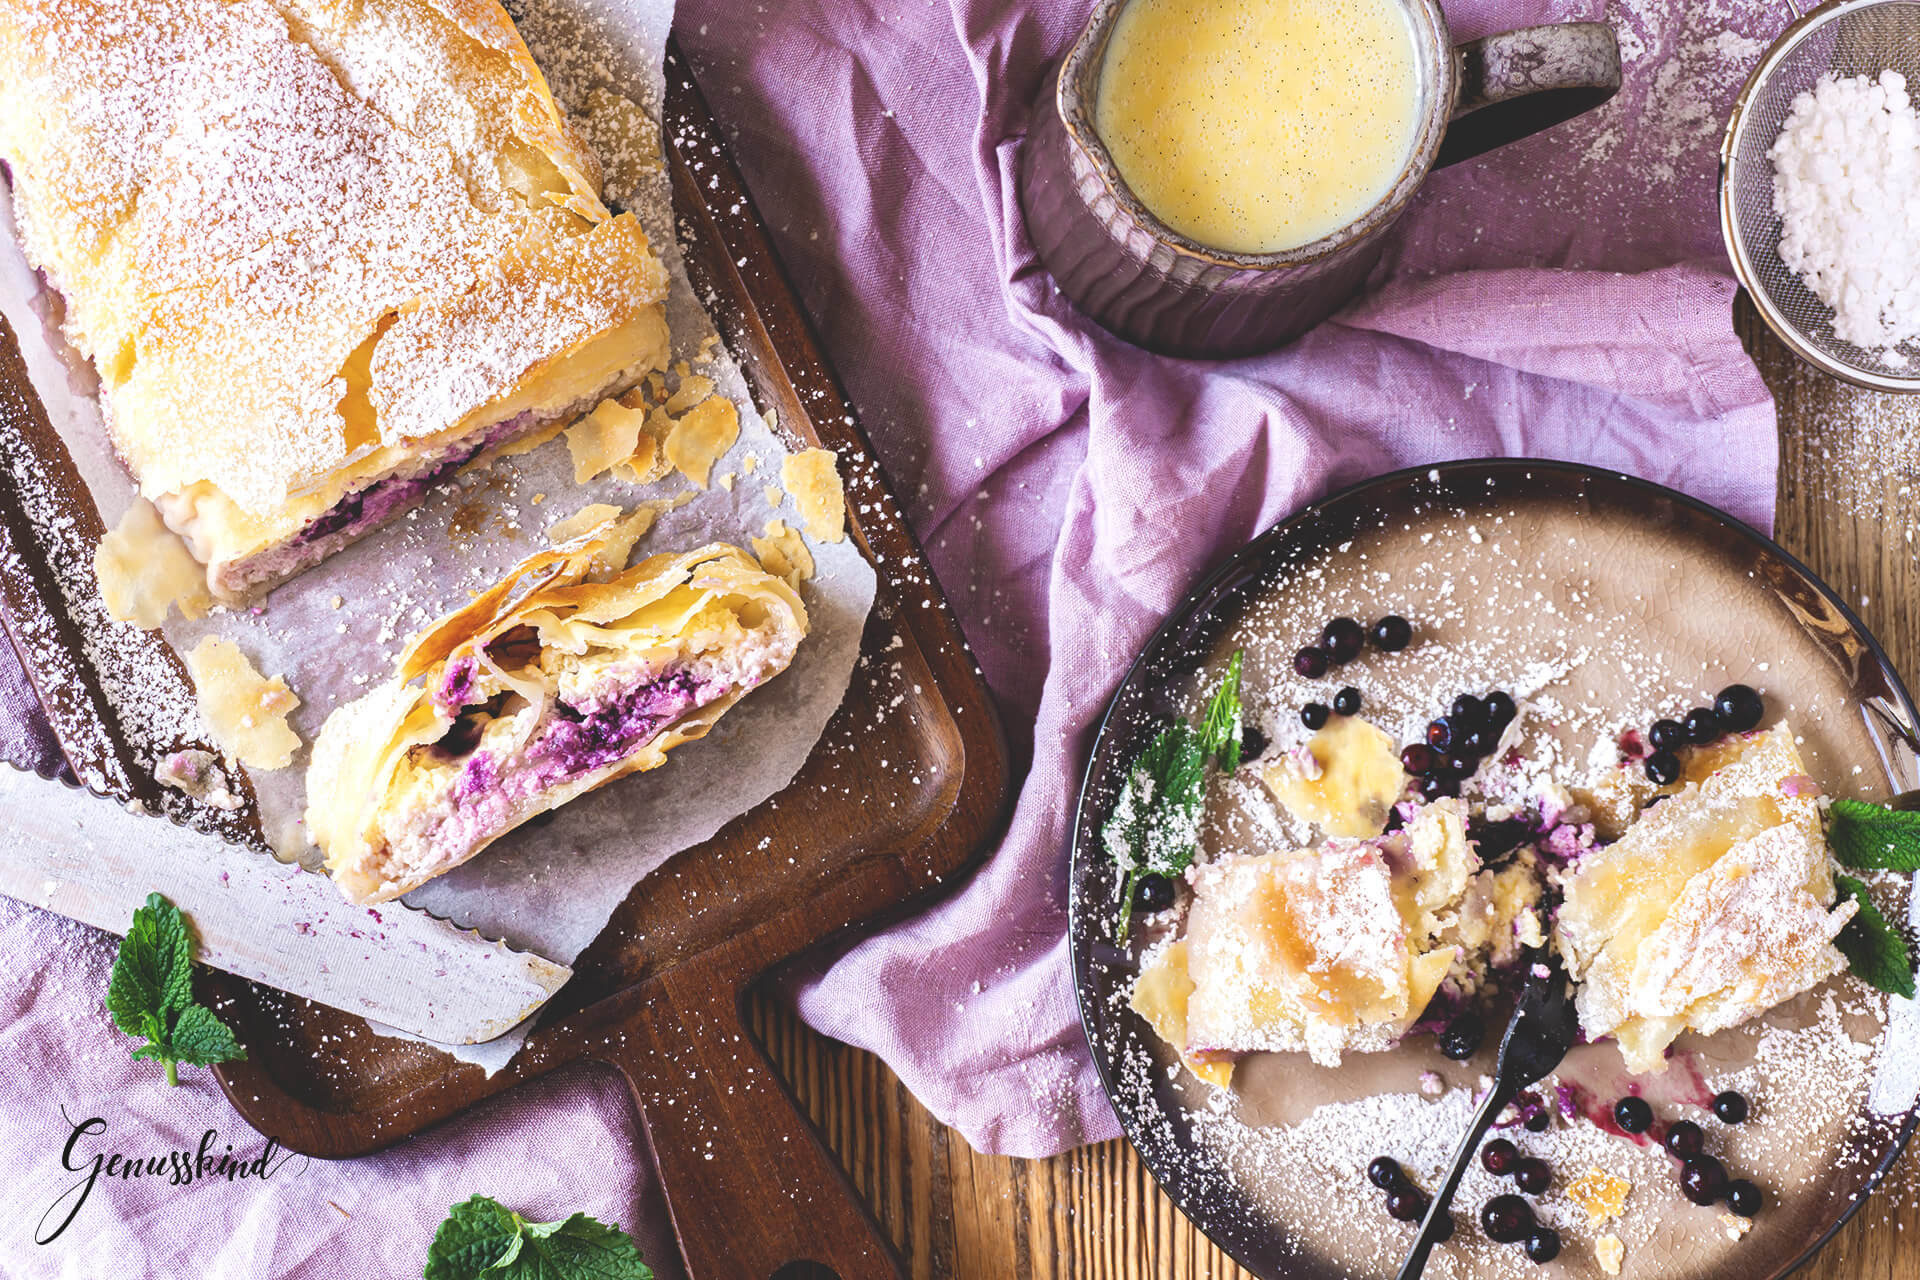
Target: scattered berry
(1406, 1204)
(1501, 709)
(1152, 893)
(1467, 711)
(1702, 726)
(1440, 734)
(1730, 1107)
(1684, 1139)
(1480, 741)
(1343, 639)
(1311, 662)
(1543, 1245)
(1506, 1219)
(1499, 1157)
(1633, 1114)
(1459, 766)
(1663, 768)
(1667, 735)
(1533, 1175)
(1703, 1179)
(1419, 759)
(1743, 1197)
(1253, 743)
(1538, 1120)
(1392, 633)
(1314, 715)
(1347, 701)
(1461, 1040)
(1496, 840)
(1739, 708)
(1438, 788)
(1385, 1173)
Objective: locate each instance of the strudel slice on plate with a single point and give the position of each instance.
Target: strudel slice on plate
(1715, 905)
(544, 687)
(322, 255)
(1320, 950)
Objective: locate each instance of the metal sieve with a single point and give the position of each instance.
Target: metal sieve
(1846, 38)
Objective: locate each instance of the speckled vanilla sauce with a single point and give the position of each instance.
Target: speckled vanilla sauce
(1596, 623)
(1259, 125)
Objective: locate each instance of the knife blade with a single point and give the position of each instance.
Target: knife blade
(91, 860)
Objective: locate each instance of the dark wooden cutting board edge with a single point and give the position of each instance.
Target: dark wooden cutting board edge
(748, 1183)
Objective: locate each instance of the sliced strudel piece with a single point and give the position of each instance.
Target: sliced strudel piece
(1715, 905)
(546, 686)
(1324, 950)
(322, 255)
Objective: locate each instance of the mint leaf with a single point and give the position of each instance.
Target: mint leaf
(1875, 950)
(200, 1039)
(1221, 731)
(482, 1237)
(478, 1233)
(579, 1247)
(150, 993)
(1872, 837)
(1155, 824)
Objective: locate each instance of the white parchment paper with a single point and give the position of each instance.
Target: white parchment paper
(332, 632)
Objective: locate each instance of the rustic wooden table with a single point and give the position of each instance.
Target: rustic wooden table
(1849, 462)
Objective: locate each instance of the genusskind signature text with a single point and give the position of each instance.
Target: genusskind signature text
(179, 1167)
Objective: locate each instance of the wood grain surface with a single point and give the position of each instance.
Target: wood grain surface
(1849, 467)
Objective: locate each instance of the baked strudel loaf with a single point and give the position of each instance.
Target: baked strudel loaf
(322, 254)
(545, 687)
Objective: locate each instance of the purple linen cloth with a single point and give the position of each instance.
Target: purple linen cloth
(1564, 297)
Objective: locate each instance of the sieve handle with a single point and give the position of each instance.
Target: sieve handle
(1515, 84)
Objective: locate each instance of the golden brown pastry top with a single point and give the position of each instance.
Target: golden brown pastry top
(293, 233)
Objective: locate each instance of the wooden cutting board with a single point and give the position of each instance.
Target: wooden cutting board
(659, 994)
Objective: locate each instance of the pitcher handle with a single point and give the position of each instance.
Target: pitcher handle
(1516, 83)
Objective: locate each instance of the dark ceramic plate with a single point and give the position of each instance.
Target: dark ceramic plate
(1609, 600)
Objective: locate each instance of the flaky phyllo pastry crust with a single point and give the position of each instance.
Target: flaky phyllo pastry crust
(544, 687)
(321, 254)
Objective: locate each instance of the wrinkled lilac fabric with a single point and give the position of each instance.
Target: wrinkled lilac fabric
(1565, 297)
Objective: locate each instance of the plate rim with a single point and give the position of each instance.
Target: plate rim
(1227, 569)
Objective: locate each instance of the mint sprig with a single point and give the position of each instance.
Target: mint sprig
(1221, 731)
(483, 1238)
(150, 994)
(1154, 827)
(1875, 950)
(1872, 837)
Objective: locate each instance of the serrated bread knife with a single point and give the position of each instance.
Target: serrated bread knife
(92, 860)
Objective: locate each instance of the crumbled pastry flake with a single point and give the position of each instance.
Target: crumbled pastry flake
(603, 439)
(701, 436)
(725, 481)
(1610, 1252)
(145, 570)
(246, 711)
(624, 137)
(812, 478)
(1600, 1194)
(693, 389)
(582, 521)
(1344, 780)
(783, 554)
(1736, 1226)
(774, 494)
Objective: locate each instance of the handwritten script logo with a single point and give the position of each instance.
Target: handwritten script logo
(180, 1168)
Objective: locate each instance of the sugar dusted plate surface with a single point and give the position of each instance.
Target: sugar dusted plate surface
(1606, 602)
